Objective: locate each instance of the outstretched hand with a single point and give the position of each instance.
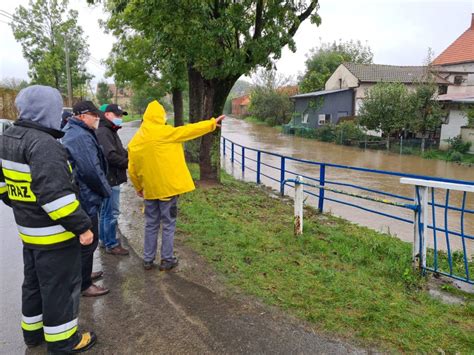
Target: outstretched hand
(219, 120)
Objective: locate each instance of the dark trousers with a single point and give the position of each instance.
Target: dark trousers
(50, 297)
(87, 255)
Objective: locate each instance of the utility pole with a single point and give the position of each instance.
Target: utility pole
(68, 72)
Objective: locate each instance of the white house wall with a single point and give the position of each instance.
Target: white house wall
(348, 79)
(463, 67)
(466, 70)
(458, 89)
(456, 119)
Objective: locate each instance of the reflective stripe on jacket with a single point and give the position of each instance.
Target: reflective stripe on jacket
(36, 181)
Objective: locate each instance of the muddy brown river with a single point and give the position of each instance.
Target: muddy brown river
(269, 139)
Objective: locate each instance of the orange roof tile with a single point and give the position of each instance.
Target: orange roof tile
(460, 51)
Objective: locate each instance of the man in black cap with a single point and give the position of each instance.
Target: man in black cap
(90, 170)
(117, 159)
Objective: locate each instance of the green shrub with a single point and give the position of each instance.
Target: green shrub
(430, 154)
(348, 131)
(270, 106)
(455, 156)
(305, 132)
(457, 145)
(326, 133)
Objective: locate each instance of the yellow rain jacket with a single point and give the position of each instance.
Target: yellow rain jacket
(156, 155)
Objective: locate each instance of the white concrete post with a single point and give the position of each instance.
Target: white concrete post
(419, 256)
(415, 259)
(298, 220)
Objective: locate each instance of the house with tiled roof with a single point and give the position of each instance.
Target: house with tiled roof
(347, 87)
(456, 65)
(120, 95)
(240, 105)
(361, 77)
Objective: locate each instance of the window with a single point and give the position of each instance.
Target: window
(458, 80)
(442, 89)
(305, 118)
(321, 119)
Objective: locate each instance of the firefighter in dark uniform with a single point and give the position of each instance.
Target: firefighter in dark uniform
(36, 181)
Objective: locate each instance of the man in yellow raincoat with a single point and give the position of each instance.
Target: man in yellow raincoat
(159, 173)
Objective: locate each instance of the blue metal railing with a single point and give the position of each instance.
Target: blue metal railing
(446, 262)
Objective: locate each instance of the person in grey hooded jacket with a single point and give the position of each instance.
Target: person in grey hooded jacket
(36, 181)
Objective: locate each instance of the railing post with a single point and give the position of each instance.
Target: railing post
(282, 176)
(232, 152)
(421, 228)
(259, 158)
(243, 159)
(223, 145)
(322, 182)
(298, 221)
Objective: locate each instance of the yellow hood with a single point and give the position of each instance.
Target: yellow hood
(154, 114)
(156, 156)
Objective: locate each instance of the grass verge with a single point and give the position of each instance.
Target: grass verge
(132, 117)
(345, 279)
(255, 120)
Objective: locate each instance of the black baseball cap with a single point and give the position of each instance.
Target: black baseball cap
(83, 107)
(116, 109)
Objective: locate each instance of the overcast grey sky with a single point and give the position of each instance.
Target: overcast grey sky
(398, 31)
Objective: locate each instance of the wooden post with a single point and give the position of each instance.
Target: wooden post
(298, 220)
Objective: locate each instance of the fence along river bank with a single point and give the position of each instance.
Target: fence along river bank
(268, 139)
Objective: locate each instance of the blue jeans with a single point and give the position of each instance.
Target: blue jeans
(109, 213)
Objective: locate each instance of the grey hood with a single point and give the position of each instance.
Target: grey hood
(40, 104)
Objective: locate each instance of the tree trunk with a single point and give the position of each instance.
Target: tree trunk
(206, 100)
(423, 144)
(196, 95)
(196, 100)
(177, 106)
(215, 94)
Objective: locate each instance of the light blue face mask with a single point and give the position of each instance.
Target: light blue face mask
(117, 121)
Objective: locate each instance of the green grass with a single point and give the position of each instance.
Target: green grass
(345, 279)
(255, 120)
(132, 117)
(447, 155)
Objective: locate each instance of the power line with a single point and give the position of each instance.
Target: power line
(12, 19)
(8, 17)
(4, 13)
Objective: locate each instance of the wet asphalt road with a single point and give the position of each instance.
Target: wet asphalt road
(151, 312)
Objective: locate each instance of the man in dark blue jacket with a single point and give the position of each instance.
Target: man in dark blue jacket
(90, 170)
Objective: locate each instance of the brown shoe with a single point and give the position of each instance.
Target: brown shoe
(118, 250)
(94, 291)
(96, 275)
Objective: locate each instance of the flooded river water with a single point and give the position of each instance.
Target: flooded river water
(269, 139)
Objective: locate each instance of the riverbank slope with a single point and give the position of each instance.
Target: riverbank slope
(339, 278)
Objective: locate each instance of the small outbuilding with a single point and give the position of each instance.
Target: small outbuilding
(240, 105)
(315, 109)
